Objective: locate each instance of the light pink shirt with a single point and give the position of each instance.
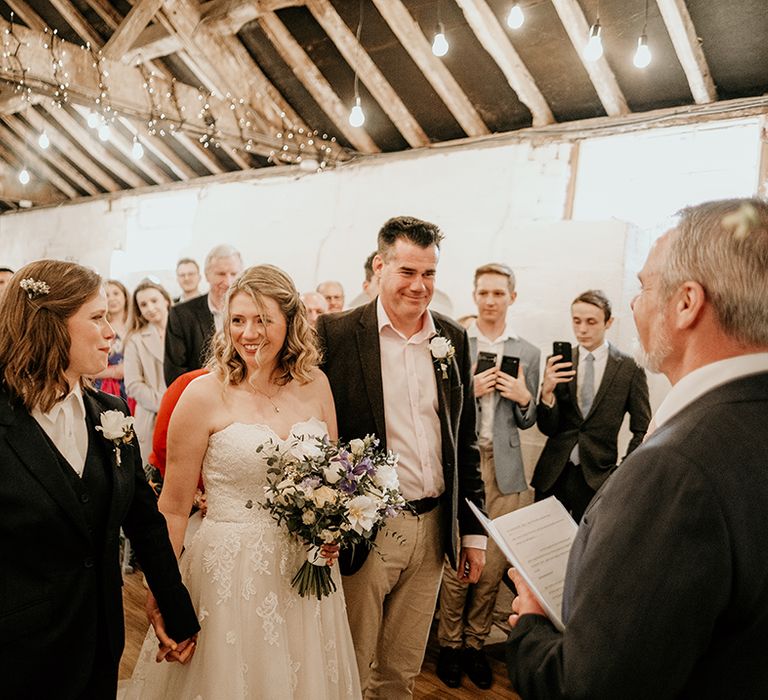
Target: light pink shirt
(411, 415)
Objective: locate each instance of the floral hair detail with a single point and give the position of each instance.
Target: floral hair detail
(34, 288)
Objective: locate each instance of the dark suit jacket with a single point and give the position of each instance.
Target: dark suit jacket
(667, 584)
(187, 337)
(60, 583)
(623, 389)
(353, 364)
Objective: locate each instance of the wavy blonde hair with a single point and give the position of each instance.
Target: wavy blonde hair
(299, 355)
(34, 337)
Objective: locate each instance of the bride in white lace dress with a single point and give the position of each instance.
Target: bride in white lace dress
(258, 638)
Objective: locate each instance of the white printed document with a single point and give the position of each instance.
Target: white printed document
(536, 540)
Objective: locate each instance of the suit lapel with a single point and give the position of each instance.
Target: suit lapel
(27, 440)
(369, 352)
(572, 385)
(611, 367)
(443, 387)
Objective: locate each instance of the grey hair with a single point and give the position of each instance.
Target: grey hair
(221, 251)
(723, 245)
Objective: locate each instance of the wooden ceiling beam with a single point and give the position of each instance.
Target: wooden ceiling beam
(65, 146)
(314, 82)
(359, 60)
(26, 14)
(600, 73)
(50, 155)
(202, 154)
(81, 134)
(158, 146)
(139, 16)
(410, 35)
(37, 191)
(79, 24)
(104, 9)
(493, 38)
(35, 163)
(230, 16)
(154, 42)
(688, 49)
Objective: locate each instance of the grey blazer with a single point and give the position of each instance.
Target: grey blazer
(508, 419)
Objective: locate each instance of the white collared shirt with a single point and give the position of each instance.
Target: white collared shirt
(65, 425)
(703, 379)
(489, 401)
(411, 415)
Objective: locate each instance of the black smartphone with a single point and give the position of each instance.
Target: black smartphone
(508, 583)
(510, 365)
(485, 360)
(560, 347)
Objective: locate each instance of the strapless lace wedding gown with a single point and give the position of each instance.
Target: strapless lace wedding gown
(258, 638)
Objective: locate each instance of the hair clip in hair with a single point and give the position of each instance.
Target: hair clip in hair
(34, 288)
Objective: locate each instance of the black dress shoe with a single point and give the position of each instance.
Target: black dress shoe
(449, 666)
(475, 665)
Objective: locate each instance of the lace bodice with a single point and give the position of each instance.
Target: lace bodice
(235, 473)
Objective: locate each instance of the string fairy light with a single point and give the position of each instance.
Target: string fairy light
(357, 116)
(439, 43)
(642, 58)
(594, 48)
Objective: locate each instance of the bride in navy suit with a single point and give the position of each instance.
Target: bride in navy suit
(71, 477)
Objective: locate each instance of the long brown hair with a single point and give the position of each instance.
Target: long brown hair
(126, 299)
(137, 321)
(34, 338)
(299, 354)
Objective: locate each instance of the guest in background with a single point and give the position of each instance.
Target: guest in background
(192, 323)
(144, 357)
(334, 295)
(505, 406)
(315, 305)
(581, 412)
(5, 275)
(370, 284)
(188, 277)
(467, 320)
(112, 379)
(71, 478)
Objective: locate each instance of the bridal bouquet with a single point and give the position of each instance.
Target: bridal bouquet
(330, 493)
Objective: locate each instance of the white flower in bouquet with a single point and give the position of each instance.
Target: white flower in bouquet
(308, 517)
(386, 477)
(332, 474)
(323, 496)
(357, 447)
(361, 512)
(304, 449)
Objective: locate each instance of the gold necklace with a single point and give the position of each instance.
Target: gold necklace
(267, 396)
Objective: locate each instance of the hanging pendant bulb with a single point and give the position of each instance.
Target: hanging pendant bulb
(594, 48)
(515, 18)
(43, 141)
(643, 56)
(440, 43)
(104, 132)
(92, 119)
(356, 116)
(137, 150)
(24, 176)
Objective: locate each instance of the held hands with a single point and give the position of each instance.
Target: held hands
(471, 563)
(169, 650)
(525, 602)
(555, 373)
(510, 388)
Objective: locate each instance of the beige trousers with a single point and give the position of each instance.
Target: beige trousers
(391, 602)
(466, 610)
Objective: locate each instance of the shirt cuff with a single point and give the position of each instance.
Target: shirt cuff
(475, 541)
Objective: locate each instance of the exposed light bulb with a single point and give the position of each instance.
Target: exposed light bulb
(92, 119)
(356, 116)
(515, 18)
(24, 176)
(643, 54)
(43, 141)
(440, 44)
(137, 150)
(594, 48)
(104, 132)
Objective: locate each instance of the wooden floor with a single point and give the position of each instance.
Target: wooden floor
(428, 685)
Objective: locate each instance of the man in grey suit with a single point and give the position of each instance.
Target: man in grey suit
(505, 405)
(403, 373)
(581, 411)
(665, 593)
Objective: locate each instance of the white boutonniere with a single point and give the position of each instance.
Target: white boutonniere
(118, 428)
(442, 353)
